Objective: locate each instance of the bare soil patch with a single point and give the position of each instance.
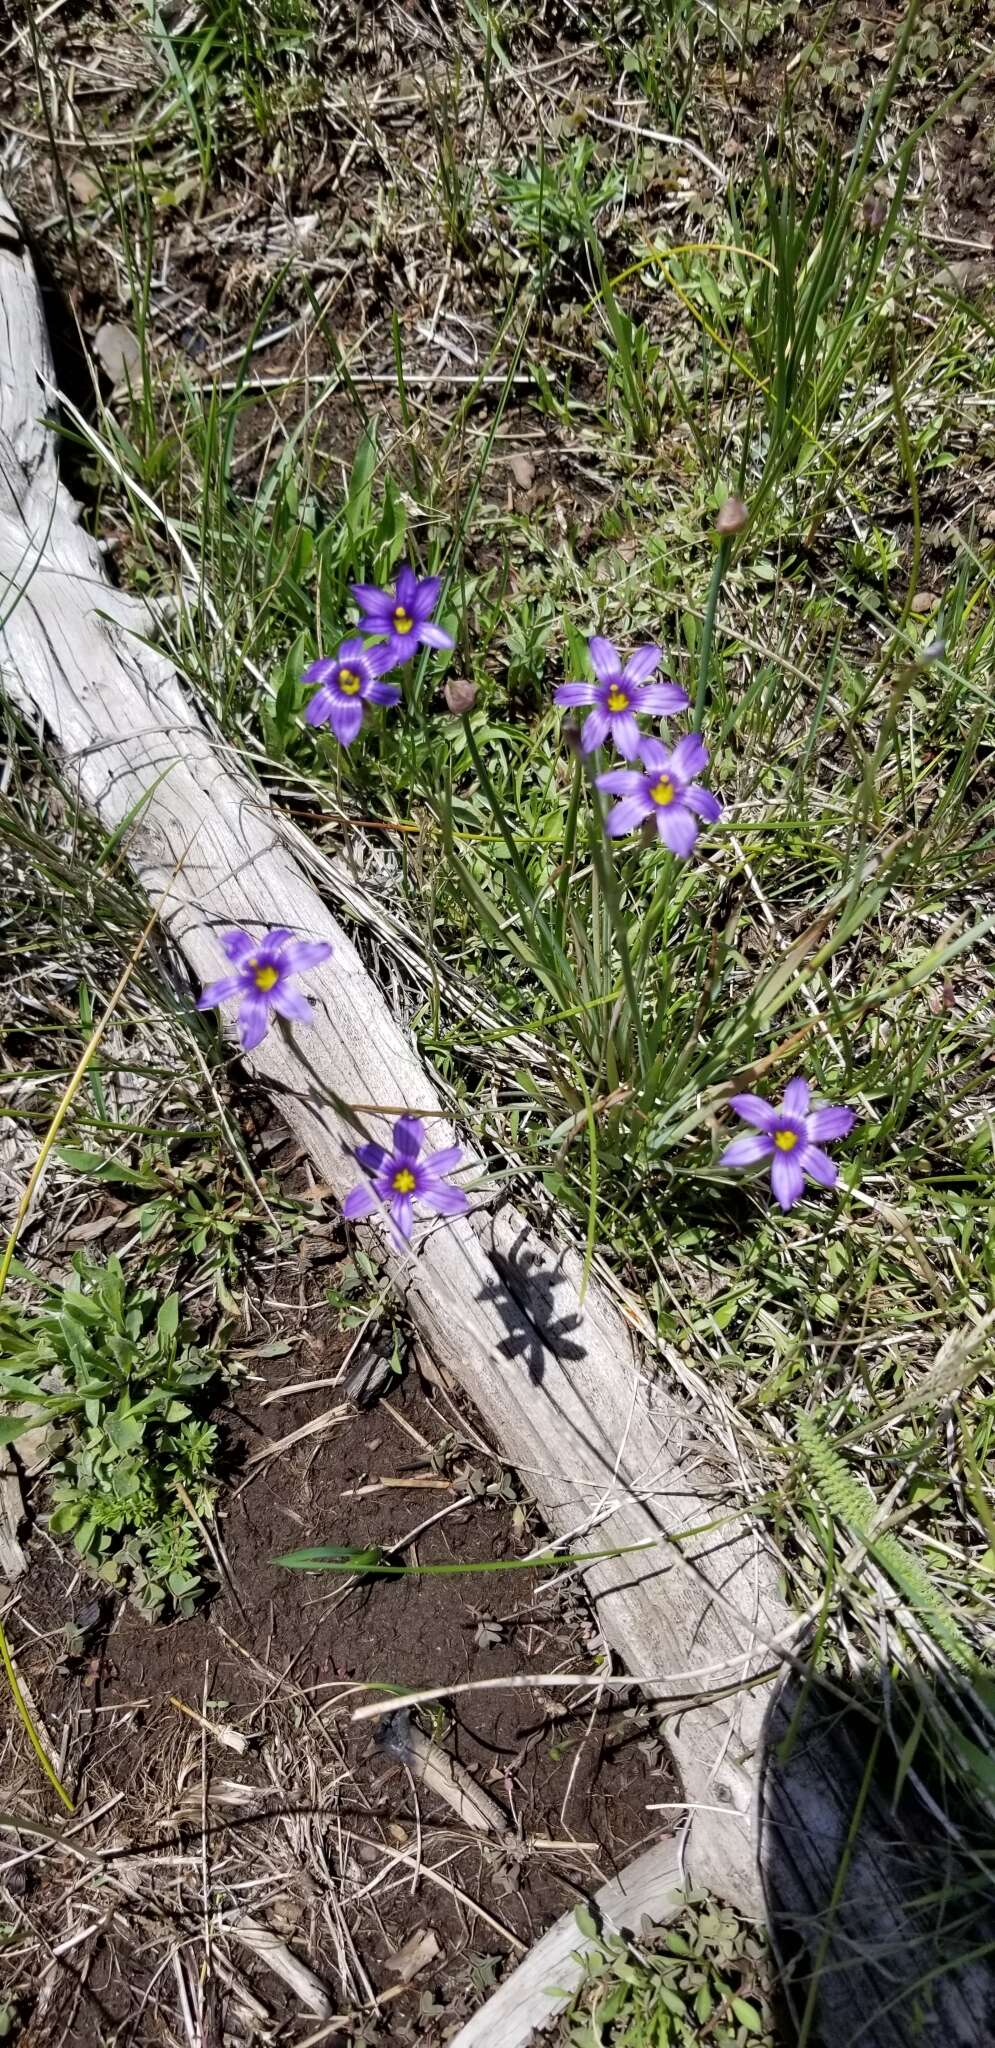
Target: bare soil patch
(319, 1828)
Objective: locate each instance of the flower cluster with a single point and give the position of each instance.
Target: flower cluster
(396, 623)
(663, 790)
(662, 793)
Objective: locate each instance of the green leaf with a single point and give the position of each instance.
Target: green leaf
(747, 2016)
(13, 1426)
(167, 1321)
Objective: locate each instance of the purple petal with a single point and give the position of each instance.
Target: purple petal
(754, 1110)
(320, 671)
(359, 1201)
(376, 603)
(817, 1165)
(689, 757)
(431, 635)
(678, 828)
(273, 942)
(625, 733)
(796, 1096)
(747, 1150)
(378, 660)
(595, 730)
(292, 1003)
(786, 1179)
(319, 711)
(402, 1215)
(237, 945)
(828, 1123)
(383, 693)
(409, 1137)
(661, 700)
(574, 693)
(407, 588)
(345, 719)
(605, 659)
(656, 757)
(701, 800)
(373, 1157)
(351, 650)
(299, 955)
(641, 664)
(623, 782)
(253, 1020)
(423, 603)
(220, 992)
(445, 1161)
(446, 1201)
(400, 647)
(627, 815)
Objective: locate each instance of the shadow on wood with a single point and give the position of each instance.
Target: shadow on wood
(880, 1894)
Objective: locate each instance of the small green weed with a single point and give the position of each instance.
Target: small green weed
(703, 1978)
(113, 1371)
(552, 205)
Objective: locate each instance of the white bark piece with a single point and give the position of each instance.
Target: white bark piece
(555, 1376)
(308, 1989)
(451, 1782)
(12, 1559)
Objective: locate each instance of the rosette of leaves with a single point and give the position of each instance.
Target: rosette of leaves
(126, 1393)
(703, 1976)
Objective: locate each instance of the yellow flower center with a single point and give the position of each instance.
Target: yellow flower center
(617, 698)
(267, 978)
(663, 791)
(785, 1140)
(349, 681)
(403, 621)
(404, 1181)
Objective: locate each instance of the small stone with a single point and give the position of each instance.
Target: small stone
(83, 185)
(119, 355)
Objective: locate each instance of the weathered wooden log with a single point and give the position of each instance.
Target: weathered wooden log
(556, 1377)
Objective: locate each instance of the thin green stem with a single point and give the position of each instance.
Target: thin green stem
(708, 629)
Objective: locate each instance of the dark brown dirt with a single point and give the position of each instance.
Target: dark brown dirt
(308, 1819)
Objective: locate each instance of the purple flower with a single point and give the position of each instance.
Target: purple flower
(665, 793)
(400, 1179)
(349, 681)
(264, 969)
(790, 1137)
(619, 696)
(404, 614)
